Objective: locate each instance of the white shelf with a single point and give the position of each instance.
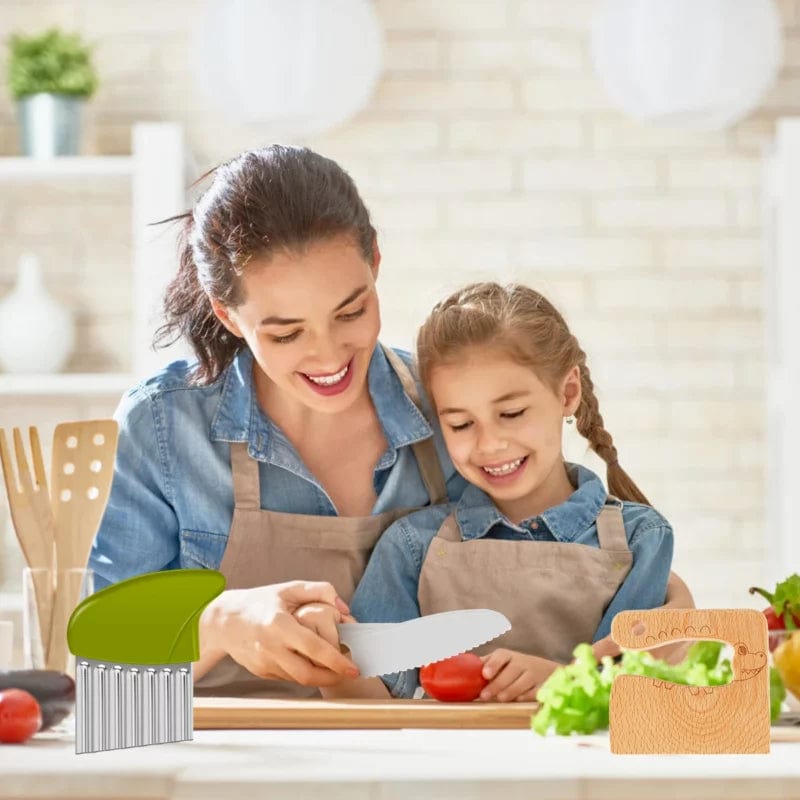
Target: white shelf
(66, 384)
(66, 167)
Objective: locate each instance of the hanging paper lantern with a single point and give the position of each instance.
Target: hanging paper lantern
(292, 67)
(688, 63)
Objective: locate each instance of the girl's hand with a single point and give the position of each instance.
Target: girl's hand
(514, 676)
(322, 619)
(258, 629)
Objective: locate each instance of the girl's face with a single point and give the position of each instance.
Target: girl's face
(503, 427)
(311, 319)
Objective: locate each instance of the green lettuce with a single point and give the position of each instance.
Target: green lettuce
(575, 698)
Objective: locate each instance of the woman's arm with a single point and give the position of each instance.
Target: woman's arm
(139, 529)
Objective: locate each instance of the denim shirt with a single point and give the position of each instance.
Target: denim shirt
(171, 501)
(388, 590)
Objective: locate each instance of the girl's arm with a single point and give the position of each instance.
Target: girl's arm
(678, 596)
(388, 593)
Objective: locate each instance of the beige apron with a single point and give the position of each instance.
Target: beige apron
(266, 547)
(554, 593)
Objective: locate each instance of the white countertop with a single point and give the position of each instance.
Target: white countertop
(390, 765)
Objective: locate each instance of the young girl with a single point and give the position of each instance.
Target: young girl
(532, 536)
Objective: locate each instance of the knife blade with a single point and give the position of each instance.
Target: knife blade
(380, 648)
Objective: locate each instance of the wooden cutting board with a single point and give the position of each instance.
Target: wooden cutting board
(217, 713)
(252, 713)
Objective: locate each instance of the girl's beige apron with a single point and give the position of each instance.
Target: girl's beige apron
(554, 593)
(266, 547)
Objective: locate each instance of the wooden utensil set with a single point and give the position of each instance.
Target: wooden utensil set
(56, 527)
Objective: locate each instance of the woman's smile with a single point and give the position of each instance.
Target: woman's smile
(330, 383)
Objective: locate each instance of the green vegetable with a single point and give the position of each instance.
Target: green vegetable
(777, 694)
(575, 698)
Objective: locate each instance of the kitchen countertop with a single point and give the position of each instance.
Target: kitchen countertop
(391, 765)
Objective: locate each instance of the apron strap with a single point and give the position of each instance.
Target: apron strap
(449, 531)
(246, 485)
(611, 527)
(425, 451)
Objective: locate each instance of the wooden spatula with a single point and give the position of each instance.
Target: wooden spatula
(82, 467)
(29, 503)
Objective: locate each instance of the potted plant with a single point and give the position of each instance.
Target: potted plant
(50, 76)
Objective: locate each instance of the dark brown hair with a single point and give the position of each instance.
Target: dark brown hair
(273, 199)
(523, 323)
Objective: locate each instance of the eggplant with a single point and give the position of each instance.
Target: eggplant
(53, 690)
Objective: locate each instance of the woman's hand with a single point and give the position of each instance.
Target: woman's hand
(258, 629)
(322, 619)
(514, 676)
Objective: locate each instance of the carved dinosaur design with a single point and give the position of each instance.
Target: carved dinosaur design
(650, 716)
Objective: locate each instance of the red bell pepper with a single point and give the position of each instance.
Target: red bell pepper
(783, 611)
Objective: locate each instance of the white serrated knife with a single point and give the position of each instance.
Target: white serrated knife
(380, 648)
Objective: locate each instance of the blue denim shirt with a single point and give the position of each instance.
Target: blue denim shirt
(171, 499)
(388, 590)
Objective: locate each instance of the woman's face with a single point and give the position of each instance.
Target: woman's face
(311, 319)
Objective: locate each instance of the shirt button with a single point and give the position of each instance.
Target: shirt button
(534, 525)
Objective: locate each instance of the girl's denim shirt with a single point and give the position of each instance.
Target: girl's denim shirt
(388, 590)
(171, 499)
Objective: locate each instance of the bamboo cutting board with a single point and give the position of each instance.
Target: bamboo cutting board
(253, 713)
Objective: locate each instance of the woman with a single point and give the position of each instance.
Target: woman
(292, 442)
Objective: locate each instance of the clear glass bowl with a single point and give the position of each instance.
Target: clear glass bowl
(776, 638)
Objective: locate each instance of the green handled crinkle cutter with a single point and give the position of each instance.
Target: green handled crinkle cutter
(134, 642)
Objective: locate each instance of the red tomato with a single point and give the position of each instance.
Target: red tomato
(458, 679)
(20, 715)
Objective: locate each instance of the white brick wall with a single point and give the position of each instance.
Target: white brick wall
(489, 148)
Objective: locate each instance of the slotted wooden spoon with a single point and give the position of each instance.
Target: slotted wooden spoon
(82, 468)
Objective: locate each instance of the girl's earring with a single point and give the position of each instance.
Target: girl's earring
(570, 420)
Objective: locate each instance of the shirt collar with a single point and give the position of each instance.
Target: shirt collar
(239, 418)
(233, 419)
(476, 514)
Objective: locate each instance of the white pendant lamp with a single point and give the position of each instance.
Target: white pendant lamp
(290, 67)
(699, 64)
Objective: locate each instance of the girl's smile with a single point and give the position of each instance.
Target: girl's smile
(505, 473)
(503, 428)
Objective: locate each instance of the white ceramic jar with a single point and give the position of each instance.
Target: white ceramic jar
(36, 333)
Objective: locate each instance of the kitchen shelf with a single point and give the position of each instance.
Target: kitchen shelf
(75, 384)
(67, 167)
(156, 174)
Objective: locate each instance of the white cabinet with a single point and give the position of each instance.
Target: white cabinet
(156, 170)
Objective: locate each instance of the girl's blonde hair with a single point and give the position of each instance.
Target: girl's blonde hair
(524, 324)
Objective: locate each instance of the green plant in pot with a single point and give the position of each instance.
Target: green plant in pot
(50, 76)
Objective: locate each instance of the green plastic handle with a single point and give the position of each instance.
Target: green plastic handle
(148, 619)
